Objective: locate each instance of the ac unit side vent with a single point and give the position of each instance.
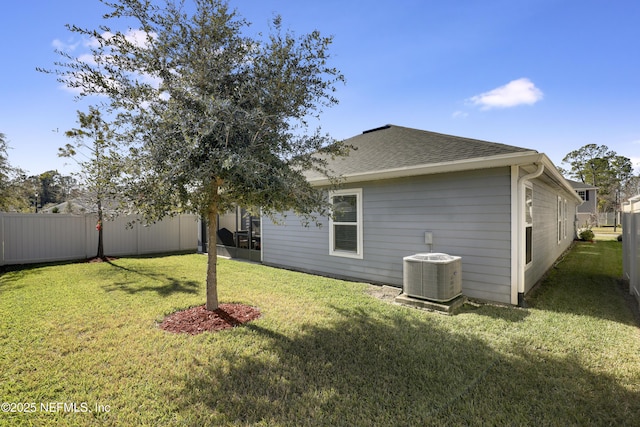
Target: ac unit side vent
(432, 276)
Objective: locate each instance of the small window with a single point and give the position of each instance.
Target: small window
(565, 220)
(345, 224)
(583, 194)
(560, 219)
(528, 223)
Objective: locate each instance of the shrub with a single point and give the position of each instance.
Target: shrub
(586, 234)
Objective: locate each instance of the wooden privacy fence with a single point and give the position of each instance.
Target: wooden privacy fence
(631, 244)
(34, 238)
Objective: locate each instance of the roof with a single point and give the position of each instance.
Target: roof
(581, 185)
(396, 148)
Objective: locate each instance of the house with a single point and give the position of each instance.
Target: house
(587, 213)
(505, 210)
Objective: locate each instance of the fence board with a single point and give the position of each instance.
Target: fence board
(631, 244)
(34, 238)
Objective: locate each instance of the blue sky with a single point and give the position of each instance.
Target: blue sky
(549, 75)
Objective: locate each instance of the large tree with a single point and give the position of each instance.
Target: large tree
(589, 164)
(217, 118)
(15, 190)
(5, 173)
(603, 168)
(96, 151)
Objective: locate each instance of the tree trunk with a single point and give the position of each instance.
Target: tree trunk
(99, 227)
(212, 250)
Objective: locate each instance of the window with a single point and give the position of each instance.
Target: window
(564, 224)
(345, 224)
(560, 218)
(528, 223)
(584, 195)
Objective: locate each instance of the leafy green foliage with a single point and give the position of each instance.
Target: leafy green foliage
(603, 168)
(101, 163)
(215, 118)
(586, 234)
(5, 170)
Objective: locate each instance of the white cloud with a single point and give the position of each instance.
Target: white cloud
(138, 38)
(64, 46)
(459, 115)
(514, 93)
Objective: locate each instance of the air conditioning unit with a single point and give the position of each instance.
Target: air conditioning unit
(432, 276)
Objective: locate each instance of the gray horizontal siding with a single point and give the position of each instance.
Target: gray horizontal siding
(467, 212)
(546, 248)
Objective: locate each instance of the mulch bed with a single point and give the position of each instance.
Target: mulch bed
(196, 320)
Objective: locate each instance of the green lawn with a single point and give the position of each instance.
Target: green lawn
(324, 351)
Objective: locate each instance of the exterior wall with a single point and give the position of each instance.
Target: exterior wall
(546, 246)
(589, 205)
(468, 214)
(587, 212)
(34, 238)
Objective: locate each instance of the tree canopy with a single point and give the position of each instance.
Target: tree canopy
(603, 168)
(214, 117)
(96, 151)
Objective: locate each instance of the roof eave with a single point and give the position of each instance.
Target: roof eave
(551, 170)
(433, 168)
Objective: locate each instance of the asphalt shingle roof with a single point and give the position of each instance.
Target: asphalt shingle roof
(580, 185)
(393, 147)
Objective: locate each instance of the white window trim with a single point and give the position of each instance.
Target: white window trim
(565, 219)
(358, 254)
(527, 265)
(560, 219)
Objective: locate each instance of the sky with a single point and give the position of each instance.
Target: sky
(549, 75)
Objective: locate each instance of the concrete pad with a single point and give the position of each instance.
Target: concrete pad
(448, 307)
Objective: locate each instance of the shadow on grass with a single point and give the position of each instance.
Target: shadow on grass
(586, 282)
(366, 370)
(499, 312)
(12, 276)
(159, 283)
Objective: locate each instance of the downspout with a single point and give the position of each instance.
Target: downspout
(521, 229)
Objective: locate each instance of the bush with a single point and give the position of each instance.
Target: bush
(586, 234)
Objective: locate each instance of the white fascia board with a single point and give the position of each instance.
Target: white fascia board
(552, 171)
(455, 166)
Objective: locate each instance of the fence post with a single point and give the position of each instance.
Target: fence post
(1, 239)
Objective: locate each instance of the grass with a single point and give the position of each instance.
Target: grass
(323, 353)
(607, 233)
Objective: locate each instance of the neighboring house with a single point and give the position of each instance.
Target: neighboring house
(505, 210)
(74, 206)
(587, 213)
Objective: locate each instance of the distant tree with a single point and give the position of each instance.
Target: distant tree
(13, 182)
(603, 168)
(5, 174)
(49, 191)
(621, 181)
(219, 118)
(96, 151)
(589, 164)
